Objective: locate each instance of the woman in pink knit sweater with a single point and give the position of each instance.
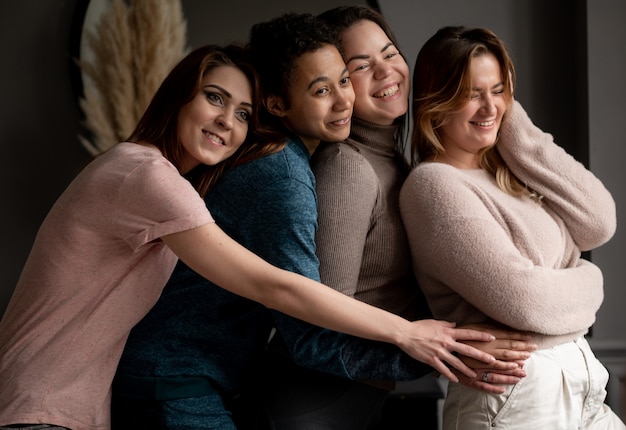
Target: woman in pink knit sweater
(496, 232)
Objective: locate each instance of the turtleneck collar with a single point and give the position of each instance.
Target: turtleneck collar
(378, 138)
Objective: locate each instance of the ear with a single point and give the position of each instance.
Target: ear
(275, 105)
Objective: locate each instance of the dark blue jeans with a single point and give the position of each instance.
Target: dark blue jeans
(207, 412)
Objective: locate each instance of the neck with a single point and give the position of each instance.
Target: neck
(310, 144)
(463, 163)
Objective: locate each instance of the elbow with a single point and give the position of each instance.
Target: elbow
(598, 232)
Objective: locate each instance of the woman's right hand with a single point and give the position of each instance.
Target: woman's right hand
(439, 344)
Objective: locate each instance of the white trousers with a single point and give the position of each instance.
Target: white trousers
(564, 390)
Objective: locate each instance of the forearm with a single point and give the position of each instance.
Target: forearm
(212, 254)
(508, 288)
(506, 262)
(343, 355)
(322, 306)
(570, 189)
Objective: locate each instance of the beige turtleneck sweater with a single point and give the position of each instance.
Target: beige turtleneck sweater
(361, 241)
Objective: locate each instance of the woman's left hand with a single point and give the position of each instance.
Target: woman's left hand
(511, 348)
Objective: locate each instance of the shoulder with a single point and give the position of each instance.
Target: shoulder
(342, 161)
(428, 175)
(280, 180)
(131, 167)
(286, 165)
(441, 183)
(134, 162)
(144, 191)
(337, 153)
(136, 153)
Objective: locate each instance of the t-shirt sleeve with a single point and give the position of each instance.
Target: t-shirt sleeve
(160, 202)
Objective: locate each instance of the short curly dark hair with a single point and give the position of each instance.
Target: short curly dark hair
(277, 44)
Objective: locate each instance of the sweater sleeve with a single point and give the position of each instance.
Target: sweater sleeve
(347, 192)
(468, 263)
(347, 356)
(570, 189)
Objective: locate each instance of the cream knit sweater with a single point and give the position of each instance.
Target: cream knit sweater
(482, 255)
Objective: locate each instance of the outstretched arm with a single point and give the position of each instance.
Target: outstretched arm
(214, 255)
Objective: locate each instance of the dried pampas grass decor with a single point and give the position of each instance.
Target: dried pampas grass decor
(134, 44)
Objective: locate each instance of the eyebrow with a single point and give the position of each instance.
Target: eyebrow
(226, 93)
(365, 56)
(324, 78)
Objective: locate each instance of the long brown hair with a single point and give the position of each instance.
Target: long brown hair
(159, 123)
(442, 85)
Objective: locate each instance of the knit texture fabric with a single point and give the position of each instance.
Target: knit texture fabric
(361, 241)
(483, 255)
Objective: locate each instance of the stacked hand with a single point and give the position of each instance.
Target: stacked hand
(510, 348)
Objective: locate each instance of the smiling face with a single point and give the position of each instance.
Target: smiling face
(214, 124)
(378, 72)
(321, 98)
(476, 125)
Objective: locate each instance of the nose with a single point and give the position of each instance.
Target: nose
(225, 120)
(344, 99)
(488, 106)
(381, 70)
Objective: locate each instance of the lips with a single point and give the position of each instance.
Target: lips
(214, 137)
(341, 122)
(387, 92)
(483, 123)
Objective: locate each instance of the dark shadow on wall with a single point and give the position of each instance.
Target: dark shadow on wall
(559, 82)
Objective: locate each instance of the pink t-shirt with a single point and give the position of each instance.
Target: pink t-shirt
(97, 266)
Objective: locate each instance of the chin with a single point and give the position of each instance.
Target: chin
(336, 137)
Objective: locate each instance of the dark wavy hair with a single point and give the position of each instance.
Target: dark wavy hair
(159, 123)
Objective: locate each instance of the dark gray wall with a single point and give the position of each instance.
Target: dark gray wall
(607, 152)
(39, 119)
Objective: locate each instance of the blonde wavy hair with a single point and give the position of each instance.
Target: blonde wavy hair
(442, 84)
